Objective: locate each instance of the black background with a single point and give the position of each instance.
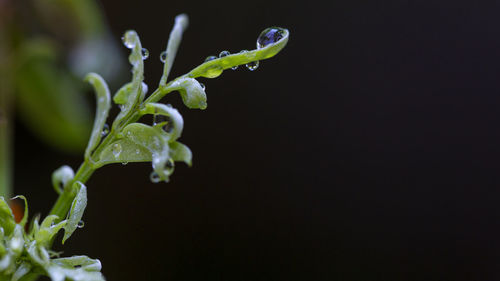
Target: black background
(366, 150)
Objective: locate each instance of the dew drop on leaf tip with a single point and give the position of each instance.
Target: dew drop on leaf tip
(128, 39)
(269, 36)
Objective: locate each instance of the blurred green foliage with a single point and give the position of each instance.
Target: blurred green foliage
(46, 47)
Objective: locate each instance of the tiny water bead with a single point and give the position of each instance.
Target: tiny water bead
(144, 53)
(80, 224)
(105, 130)
(163, 56)
(269, 36)
(117, 149)
(202, 86)
(224, 54)
(252, 65)
(209, 58)
(154, 177)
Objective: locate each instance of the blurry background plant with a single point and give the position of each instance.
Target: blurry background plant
(46, 47)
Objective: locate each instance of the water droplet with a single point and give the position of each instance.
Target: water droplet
(117, 149)
(154, 177)
(124, 163)
(252, 65)
(224, 54)
(163, 56)
(80, 224)
(128, 39)
(202, 86)
(144, 53)
(269, 36)
(105, 130)
(137, 151)
(129, 134)
(234, 67)
(170, 164)
(213, 72)
(144, 88)
(209, 58)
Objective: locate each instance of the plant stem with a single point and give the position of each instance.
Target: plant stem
(63, 203)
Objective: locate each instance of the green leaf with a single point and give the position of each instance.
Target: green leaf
(21, 271)
(47, 230)
(16, 242)
(60, 273)
(61, 177)
(76, 211)
(174, 40)
(103, 105)
(132, 95)
(123, 151)
(192, 93)
(7, 221)
(122, 95)
(141, 142)
(84, 262)
(170, 112)
(38, 254)
(214, 68)
(180, 152)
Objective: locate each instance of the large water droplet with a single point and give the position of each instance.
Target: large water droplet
(213, 72)
(128, 39)
(144, 53)
(252, 65)
(117, 149)
(269, 36)
(105, 130)
(209, 58)
(163, 56)
(80, 224)
(154, 177)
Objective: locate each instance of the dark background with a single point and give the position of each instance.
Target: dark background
(366, 150)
